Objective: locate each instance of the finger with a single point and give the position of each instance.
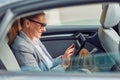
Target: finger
(70, 54)
(72, 46)
(72, 50)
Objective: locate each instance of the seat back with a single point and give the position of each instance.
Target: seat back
(7, 58)
(109, 38)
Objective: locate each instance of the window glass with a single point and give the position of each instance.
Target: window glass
(75, 15)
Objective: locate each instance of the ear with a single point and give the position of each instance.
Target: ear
(27, 23)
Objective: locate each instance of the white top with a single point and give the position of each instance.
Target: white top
(48, 61)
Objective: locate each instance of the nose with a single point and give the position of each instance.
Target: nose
(43, 29)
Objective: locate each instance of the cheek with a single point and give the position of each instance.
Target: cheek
(32, 31)
(35, 31)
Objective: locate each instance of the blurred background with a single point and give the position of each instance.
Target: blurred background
(76, 15)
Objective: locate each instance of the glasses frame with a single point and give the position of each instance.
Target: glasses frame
(42, 24)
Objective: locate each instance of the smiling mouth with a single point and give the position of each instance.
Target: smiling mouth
(40, 33)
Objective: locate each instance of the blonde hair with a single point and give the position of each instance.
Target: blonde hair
(31, 17)
(14, 30)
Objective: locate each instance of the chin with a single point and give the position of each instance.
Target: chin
(39, 36)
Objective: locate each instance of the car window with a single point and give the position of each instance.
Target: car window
(75, 15)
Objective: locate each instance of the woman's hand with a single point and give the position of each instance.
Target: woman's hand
(67, 56)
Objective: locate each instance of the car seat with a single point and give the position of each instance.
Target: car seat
(109, 38)
(7, 59)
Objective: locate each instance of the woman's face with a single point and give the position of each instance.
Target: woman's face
(37, 26)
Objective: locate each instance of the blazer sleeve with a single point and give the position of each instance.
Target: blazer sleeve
(57, 65)
(57, 61)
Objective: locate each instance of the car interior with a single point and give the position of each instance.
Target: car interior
(96, 39)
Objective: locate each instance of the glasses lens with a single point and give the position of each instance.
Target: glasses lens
(42, 24)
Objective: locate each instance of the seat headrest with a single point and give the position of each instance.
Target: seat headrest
(110, 15)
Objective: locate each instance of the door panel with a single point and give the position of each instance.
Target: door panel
(56, 45)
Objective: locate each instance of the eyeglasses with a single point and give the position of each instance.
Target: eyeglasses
(42, 24)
